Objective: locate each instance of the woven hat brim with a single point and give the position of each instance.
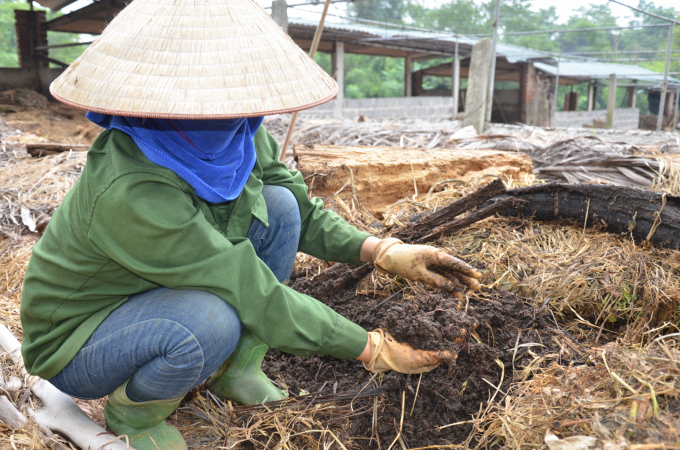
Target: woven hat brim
(150, 115)
(193, 59)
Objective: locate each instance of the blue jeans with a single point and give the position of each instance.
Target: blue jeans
(167, 341)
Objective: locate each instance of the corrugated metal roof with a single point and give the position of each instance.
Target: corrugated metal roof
(600, 70)
(512, 53)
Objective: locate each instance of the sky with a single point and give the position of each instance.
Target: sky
(564, 8)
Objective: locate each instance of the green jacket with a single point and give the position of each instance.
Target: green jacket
(129, 226)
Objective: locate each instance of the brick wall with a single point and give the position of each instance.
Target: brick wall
(23, 23)
(624, 118)
(383, 108)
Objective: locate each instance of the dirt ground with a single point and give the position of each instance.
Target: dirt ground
(40, 120)
(493, 334)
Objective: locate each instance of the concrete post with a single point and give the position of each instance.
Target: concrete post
(408, 76)
(492, 61)
(528, 97)
(590, 102)
(632, 94)
(340, 78)
(664, 86)
(677, 106)
(455, 82)
(334, 63)
(611, 101)
(280, 14)
(478, 85)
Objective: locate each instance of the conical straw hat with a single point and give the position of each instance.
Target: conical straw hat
(193, 59)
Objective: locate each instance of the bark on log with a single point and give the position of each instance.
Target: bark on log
(459, 224)
(38, 149)
(428, 227)
(60, 413)
(431, 223)
(645, 214)
(384, 175)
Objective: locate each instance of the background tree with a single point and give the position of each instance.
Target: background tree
(8, 43)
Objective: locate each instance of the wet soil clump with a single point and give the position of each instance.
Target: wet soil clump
(488, 329)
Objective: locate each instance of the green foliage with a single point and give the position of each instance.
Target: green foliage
(67, 54)
(459, 16)
(393, 11)
(373, 76)
(594, 16)
(8, 44)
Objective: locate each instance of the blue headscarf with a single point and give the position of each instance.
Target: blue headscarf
(214, 156)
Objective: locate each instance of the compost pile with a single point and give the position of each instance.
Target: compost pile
(450, 394)
(576, 331)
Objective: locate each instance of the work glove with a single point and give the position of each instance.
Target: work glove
(426, 264)
(388, 354)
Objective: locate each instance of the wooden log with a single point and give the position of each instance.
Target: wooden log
(429, 227)
(459, 224)
(60, 413)
(384, 175)
(432, 222)
(38, 149)
(645, 215)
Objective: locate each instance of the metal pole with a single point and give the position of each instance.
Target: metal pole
(664, 88)
(557, 87)
(456, 80)
(492, 74)
(312, 52)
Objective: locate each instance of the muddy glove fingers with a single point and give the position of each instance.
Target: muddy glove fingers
(472, 283)
(452, 264)
(445, 283)
(456, 289)
(388, 354)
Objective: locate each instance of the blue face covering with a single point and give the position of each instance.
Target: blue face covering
(214, 156)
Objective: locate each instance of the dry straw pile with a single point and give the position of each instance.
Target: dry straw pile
(616, 380)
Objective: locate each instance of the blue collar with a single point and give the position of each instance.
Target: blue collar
(214, 156)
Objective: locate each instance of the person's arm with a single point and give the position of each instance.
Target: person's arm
(323, 234)
(154, 230)
(365, 356)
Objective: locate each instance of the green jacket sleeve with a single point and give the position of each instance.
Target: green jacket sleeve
(324, 235)
(153, 229)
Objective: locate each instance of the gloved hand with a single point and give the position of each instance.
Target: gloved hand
(426, 264)
(388, 354)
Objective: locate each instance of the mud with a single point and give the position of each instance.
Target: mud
(451, 393)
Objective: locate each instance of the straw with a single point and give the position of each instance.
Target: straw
(214, 59)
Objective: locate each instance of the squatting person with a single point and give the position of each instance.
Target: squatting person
(166, 264)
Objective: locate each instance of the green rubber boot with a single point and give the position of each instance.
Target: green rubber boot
(241, 379)
(143, 422)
